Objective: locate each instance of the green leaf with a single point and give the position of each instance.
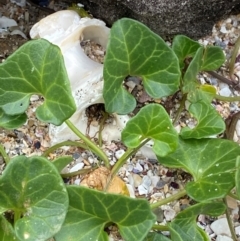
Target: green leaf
(156, 237)
(237, 177)
(90, 211)
(211, 162)
(6, 230)
(33, 189)
(184, 47)
(213, 58)
(36, 68)
(133, 49)
(152, 121)
(61, 162)
(189, 79)
(209, 121)
(11, 121)
(184, 227)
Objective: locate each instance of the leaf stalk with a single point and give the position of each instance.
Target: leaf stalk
(168, 199)
(92, 146)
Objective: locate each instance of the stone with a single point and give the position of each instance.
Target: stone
(220, 227)
(194, 18)
(223, 238)
(159, 214)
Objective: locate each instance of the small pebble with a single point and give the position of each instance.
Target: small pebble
(160, 184)
(169, 214)
(159, 214)
(119, 153)
(77, 167)
(223, 238)
(220, 227)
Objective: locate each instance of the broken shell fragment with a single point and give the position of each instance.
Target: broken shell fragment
(67, 29)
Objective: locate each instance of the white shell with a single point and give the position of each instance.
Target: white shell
(66, 29)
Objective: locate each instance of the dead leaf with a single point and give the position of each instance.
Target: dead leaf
(97, 179)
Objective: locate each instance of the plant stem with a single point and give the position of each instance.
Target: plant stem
(169, 199)
(181, 107)
(101, 127)
(233, 57)
(226, 98)
(64, 143)
(92, 146)
(4, 154)
(230, 224)
(160, 227)
(234, 196)
(79, 172)
(17, 215)
(122, 160)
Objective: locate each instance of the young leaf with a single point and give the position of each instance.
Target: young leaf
(211, 162)
(213, 58)
(184, 47)
(11, 121)
(133, 49)
(36, 68)
(189, 79)
(6, 231)
(184, 227)
(152, 121)
(90, 211)
(33, 189)
(209, 121)
(156, 237)
(237, 177)
(61, 162)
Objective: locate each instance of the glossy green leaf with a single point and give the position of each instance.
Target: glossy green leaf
(184, 227)
(213, 58)
(6, 230)
(152, 121)
(211, 162)
(184, 48)
(11, 121)
(156, 237)
(32, 188)
(209, 121)
(189, 79)
(133, 49)
(237, 177)
(36, 68)
(90, 211)
(62, 162)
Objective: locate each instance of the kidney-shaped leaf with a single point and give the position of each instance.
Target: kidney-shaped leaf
(184, 47)
(213, 58)
(211, 162)
(156, 237)
(37, 67)
(134, 50)
(11, 121)
(184, 227)
(209, 121)
(237, 176)
(33, 189)
(152, 121)
(90, 211)
(189, 79)
(6, 230)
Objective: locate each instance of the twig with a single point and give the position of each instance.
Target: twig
(225, 80)
(234, 237)
(233, 57)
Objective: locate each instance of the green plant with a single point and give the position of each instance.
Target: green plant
(32, 188)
